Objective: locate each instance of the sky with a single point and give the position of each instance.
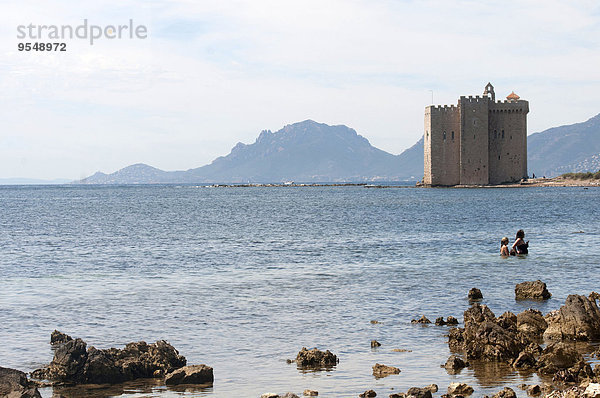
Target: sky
(210, 74)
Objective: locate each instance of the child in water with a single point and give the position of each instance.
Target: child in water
(504, 247)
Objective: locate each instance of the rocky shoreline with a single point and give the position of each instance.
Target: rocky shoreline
(554, 346)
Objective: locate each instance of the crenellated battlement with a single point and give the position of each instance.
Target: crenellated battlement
(442, 108)
(474, 99)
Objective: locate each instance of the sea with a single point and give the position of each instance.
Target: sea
(241, 278)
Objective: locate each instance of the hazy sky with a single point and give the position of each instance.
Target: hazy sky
(212, 73)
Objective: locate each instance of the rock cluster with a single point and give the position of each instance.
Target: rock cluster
(315, 358)
(422, 320)
(487, 337)
(14, 384)
(535, 290)
(75, 362)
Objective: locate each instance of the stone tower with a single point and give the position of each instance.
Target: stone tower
(477, 142)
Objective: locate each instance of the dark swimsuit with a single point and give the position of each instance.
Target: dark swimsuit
(522, 249)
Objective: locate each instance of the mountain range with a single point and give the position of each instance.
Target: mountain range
(315, 152)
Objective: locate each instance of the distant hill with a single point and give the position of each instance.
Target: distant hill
(315, 152)
(32, 181)
(303, 152)
(571, 148)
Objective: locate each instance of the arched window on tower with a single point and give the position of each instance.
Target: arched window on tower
(444, 136)
(453, 135)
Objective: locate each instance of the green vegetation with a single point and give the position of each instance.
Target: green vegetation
(582, 176)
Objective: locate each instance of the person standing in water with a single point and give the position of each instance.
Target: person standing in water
(504, 247)
(520, 246)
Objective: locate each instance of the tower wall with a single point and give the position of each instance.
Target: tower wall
(442, 145)
(474, 158)
(507, 131)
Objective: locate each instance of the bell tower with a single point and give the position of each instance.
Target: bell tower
(489, 89)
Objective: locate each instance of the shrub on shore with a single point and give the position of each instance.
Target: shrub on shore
(582, 176)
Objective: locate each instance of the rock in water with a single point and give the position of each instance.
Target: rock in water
(14, 384)
(57, 337)
(532, 323)
(375, 344)
(534, 390)
(194, 374)
(310, 393)
(315, 358)
(451, 321)
(485, 338)
(577, 319)
(418, 392)
(558, 356)
(73, 363)
(460, 389)
(454, 364)
(507, 392)
(535, 290)
(475, 294)
(422, 320)
(380, 371)
(368, 394)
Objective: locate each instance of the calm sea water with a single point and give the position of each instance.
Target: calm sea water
(242, 278)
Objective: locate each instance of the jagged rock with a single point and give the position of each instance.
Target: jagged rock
(451, 321)
(456, 340)
(400, 350)
(525, 360)
(310, 393)
(194, 374)
(14, 384)
(398, 395)
(557, 356)
(475, 294)
(289, 395)
(460, 389)
(315, 358)
(577, 319)
(421, 320)
(455, 363)
(416, 392)
(440, 321)
(507, 321)
(532, 323)
(368, 394)
(597, 370)
(74, 363)
(534, 390)
(485, 339)
(534, 349)
(592, 390)
(532, 290)
(57, 337)
(269, 395)
(375, 344)
(433, 388)
(506, 392)
(380, 371)
(375, 322)
(594, 296)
